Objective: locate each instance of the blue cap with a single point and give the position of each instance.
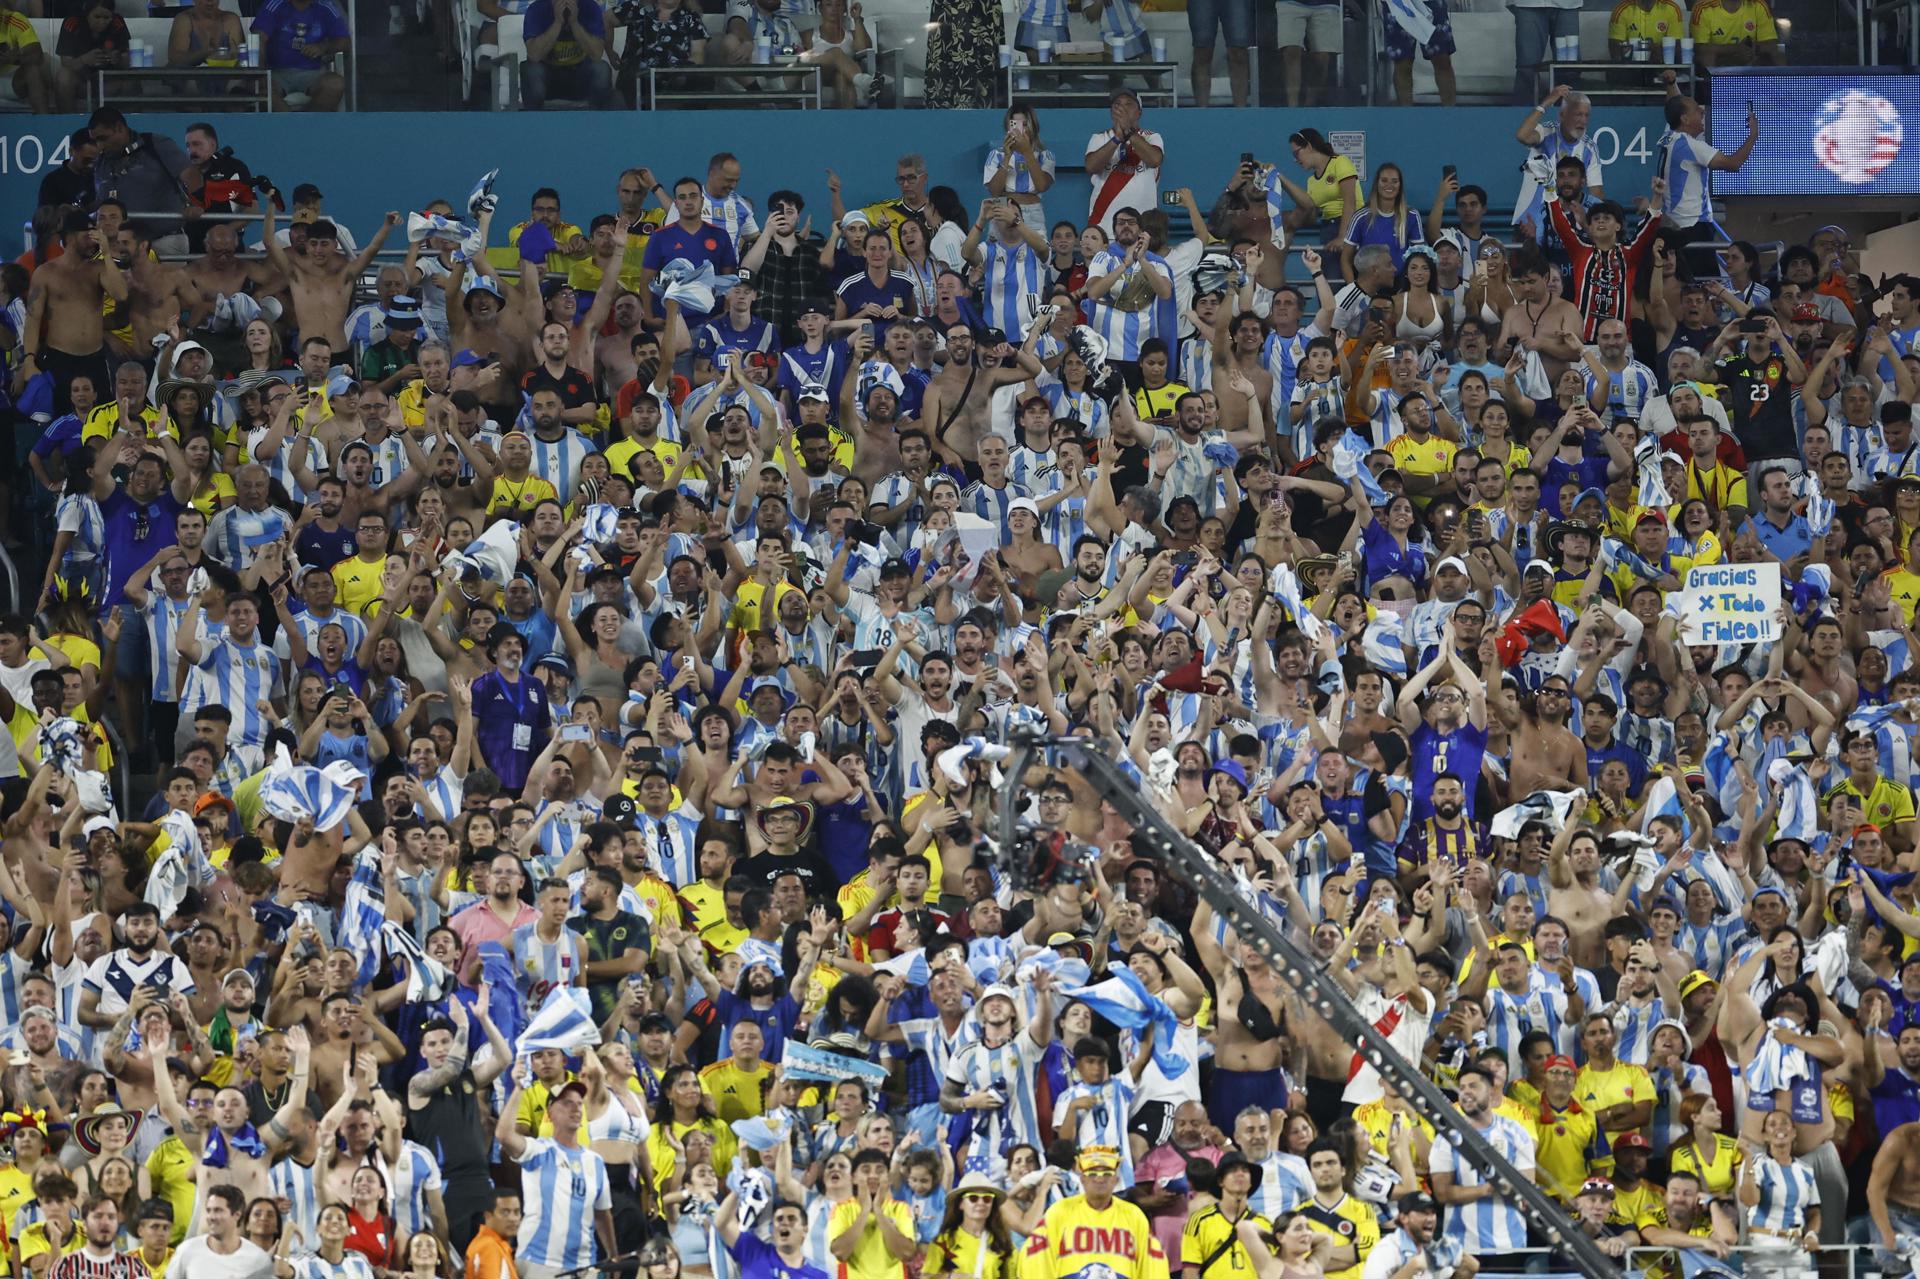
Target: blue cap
(1231, 768)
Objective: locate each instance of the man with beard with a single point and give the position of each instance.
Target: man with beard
(65, 302)
(495, 917)
(1183, 453)
(321, 540)
(1451, 737)
(760, 998)
(785, 1257)
(570, 386)
(872, 401)
(1544, 754)
(618, 942)
(1403, 1254)
(511, 721)
(113, 978)
(957, 404)
(991, 1081)
(1486, 1224)
(1193, 1138)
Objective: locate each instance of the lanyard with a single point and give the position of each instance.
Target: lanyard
(518, 699)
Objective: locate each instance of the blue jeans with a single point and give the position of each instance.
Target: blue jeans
(590, 80)
(1234, 18)
(1534, 30)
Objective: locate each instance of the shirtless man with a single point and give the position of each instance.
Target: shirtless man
(490, 323)
(65, 310)
(877, 442)
(366, 1135)
(1893, 1192)
(613, 354)
(1574, 894)
(230, 1114)
(320, 277)
(1822, 666)
(221, 273)
(1540, 319)
(958, 403)
(1253, 1039)
(156, 293)
(1542, 754)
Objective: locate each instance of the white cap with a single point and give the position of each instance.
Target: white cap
(1002, 990)
(98, 823)
(1026, 504)
(1453, 562)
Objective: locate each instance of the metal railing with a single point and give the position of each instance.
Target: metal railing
(199, 88)
(1059, 83)
(1596, 79)
(1642, 1259)
(719, 86)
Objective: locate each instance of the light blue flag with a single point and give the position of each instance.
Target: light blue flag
(1384, 643)
(1122, 1000)
(804, 1061)
(565, 1021)
(1894, 645)
(1286, 588)
(481, 199)
(1819, 515)
(754, 951)
(507, 1008)
(910, 967)
(694, 288)
(363, 915)
(427, 977)
(1066, 970)
(426, 226)
(1799, 816)
(1350, 464)
(493, 555)
(260, 530)
(293, 791)
(602, 522)
(1615, 553)
(1646, 460)
(757, 1135)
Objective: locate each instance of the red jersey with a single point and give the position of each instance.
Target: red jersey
(1602, 278)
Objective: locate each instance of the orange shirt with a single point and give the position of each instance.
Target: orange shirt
(490, 1257)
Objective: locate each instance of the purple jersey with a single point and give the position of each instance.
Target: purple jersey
(1433, 753)
(511, 725)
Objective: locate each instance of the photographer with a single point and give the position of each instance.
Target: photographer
(147, 173)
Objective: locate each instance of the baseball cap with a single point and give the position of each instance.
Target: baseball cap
(1597, 1186)
(1631, 1141)
(307, 193)
(815, 306)
(1453, 562)
(1694, 981)
(1417, 1201)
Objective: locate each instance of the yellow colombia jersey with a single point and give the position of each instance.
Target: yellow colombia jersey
(1210, 1244)
(1077, 1241)
(1663, 21)
(736, 1093)
(1749, 20)
(1349, 1221)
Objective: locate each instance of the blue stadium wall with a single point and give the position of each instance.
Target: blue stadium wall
(369, 163)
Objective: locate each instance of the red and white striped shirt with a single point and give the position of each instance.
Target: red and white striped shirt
(85, 1265)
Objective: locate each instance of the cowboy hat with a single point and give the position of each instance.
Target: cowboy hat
(786, 805)
(165, 393)
(87, 1131)
(1561, 530)
(253, 380)
(980, 1182)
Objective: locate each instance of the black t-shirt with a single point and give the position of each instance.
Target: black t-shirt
(814, 872)
(63, 186)
(574, 388)
(610, 939)
(1759, 403)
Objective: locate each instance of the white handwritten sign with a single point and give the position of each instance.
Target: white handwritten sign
(1730, 604)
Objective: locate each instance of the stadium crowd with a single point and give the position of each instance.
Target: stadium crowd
(576, 682)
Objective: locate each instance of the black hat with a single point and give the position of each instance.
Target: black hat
(307, 193)
(814, 306)
(619, 809)
(896, 567)
(1232, 1160)
(1417, 1201)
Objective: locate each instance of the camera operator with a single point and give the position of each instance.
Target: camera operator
(72, 181)
(146, 173)
(215, 179)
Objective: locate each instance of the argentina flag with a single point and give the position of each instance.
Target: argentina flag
(1799, 805)
(565, 1021)
(910, 968)
(1350, 464)
(427, 978)
(326, 795)
(1125, 1002)
(492, 556)
(363, 915)
(1384, 644)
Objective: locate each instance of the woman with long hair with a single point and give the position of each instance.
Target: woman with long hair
(1707, 1153)
(1294, 1250)
(80, 537)
(1421, 315)
(1069, 393)
(947, 222)
(972, 1241)
(1489, 291)
(916, 260)
(425, 1256)
(1392, 549)
(685, 1107)
(370, 1225)
(261, 348)
(106, 1135)
(1021, 168)
(263, 1225)
(196, 457)
(592, 640)
(1386, 220)
(616, 1130)
(1332, 194)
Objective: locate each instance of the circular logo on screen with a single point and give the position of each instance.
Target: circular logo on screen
(1856, 135)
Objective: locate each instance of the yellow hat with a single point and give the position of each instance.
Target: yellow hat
(1099, 1159)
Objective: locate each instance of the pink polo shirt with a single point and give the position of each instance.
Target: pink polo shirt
(1164, 1163)
(478, 924)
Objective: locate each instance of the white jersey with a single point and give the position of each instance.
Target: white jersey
(1683, 163)
(1491, 1225)
(562, 1189)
